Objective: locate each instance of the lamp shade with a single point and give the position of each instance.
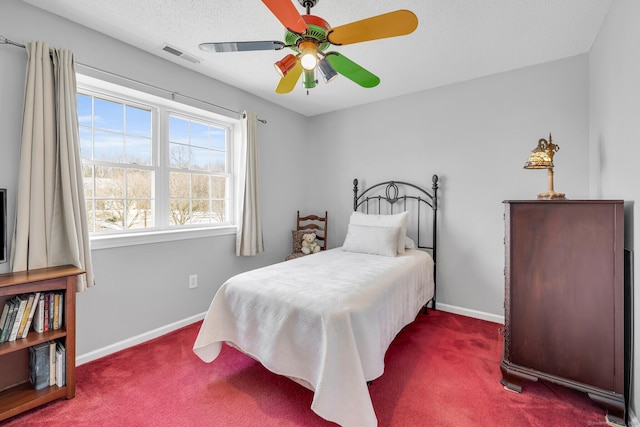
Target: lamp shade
(309, 79)
(327, 71)
(285, 64)
(539, 159)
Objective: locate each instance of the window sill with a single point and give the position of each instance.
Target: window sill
(144, 238)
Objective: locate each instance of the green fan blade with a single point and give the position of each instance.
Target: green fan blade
(352, 71)
(288, 82)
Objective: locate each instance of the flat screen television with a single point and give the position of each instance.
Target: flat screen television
(3, 225)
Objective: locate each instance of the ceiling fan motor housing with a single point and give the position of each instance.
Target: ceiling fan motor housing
(317, 29)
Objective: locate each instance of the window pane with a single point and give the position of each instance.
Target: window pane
(108, 115)
(140, 215)
(218, 138)
(87, 179)
(201, 213)
(86, 144)
(138, 121)
(178, 156)
(218, 187)
(108, 147)
(178, 130)
(109, 182)
(179, 185)
(139, 150)
(109, 215)
(199, 134)
(218, 211)
(91, 219)
(84, 110)
(179, 212)
(201, 159)
(218, 162)
(139, 184)
(200, 186)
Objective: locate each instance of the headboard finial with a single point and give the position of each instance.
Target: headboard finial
(355, 194)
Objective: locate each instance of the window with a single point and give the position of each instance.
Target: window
(151, 164)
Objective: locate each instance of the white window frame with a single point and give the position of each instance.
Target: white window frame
(161, 110)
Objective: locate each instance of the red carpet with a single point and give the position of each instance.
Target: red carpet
(442, 370)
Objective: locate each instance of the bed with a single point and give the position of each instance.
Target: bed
(326, 320)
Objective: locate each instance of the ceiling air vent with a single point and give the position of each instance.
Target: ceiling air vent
(177, 52)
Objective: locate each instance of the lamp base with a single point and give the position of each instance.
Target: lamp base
(551, 195)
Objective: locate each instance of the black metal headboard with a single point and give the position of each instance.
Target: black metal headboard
(400, 194)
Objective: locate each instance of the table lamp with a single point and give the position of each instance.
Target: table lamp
(542, 158)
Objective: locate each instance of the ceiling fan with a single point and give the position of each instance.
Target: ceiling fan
(309, 36)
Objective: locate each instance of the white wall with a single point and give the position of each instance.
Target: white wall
(141, 288)
(477, 136)
(614, 64)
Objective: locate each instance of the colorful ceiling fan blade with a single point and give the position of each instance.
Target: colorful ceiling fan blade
(392, 24)
(288, 82)
(352, 71)
(287, 14)
(242, 46)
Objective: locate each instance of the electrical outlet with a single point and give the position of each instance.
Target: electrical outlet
(193, 281)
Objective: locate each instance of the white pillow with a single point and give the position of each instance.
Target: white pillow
(409, 243)
(368, 239)
(396, 220)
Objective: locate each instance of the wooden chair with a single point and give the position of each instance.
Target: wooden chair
(312, 224)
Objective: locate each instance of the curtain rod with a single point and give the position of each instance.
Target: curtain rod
(4, 40)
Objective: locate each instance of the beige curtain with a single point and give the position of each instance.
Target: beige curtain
(249, 236)
(51, 218)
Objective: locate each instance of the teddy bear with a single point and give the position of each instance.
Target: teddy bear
(310, 244)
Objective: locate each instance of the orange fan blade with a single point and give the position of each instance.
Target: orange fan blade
(392, 24)
(287, 13)
(288, 82)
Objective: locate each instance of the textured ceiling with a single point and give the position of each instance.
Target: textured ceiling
(456, 40)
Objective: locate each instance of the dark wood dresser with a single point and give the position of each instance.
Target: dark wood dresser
(565, 298)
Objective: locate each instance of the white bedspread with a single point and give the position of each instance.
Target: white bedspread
(326, 319)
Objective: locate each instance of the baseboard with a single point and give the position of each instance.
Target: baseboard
(633, 420)
(470, 313)
(139, 339)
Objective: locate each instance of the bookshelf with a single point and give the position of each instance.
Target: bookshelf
(17, 394)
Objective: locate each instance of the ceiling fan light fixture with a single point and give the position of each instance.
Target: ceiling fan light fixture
(308, 55)
(285, 64)
(327, 71)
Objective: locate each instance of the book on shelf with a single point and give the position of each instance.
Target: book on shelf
(52, 363)
(25, 315)
(21, 301)
(46, 313)
(51, 311)
(39, 365)
(3, 316)
(38, 316)
(61, 313)
(56, 310)
(61, 372)
(32, 310)
(8, 321)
